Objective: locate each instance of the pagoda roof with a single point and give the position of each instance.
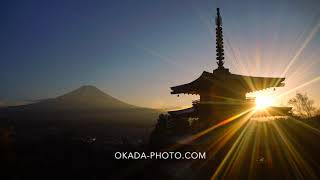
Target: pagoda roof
(188, 112)
(223, 78)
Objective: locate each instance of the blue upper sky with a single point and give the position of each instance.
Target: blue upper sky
(136, 50)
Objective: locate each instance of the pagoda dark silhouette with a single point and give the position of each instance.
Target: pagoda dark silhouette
(222, 95)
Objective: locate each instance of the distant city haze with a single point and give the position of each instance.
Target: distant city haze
(136, 50)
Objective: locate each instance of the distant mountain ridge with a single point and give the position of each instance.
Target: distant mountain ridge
(86, 104)
(85, 97)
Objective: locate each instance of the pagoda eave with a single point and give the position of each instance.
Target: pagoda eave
(191, 93)
(188, 112)
(219, 79)
(262, 89)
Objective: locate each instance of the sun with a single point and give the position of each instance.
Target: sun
(263, 102)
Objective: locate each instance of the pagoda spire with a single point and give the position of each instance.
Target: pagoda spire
(219, 41)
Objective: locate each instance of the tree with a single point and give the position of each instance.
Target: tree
(159, 134)
(303, 106)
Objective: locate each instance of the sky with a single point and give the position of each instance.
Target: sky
(136, 50)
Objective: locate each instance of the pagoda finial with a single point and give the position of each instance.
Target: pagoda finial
(219, 41)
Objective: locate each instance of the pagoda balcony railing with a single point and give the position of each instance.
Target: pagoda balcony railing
(196, 102)
(250, 99)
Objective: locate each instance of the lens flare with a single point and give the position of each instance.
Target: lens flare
(263, 102)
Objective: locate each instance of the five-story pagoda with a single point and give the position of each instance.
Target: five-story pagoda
(222, 94)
